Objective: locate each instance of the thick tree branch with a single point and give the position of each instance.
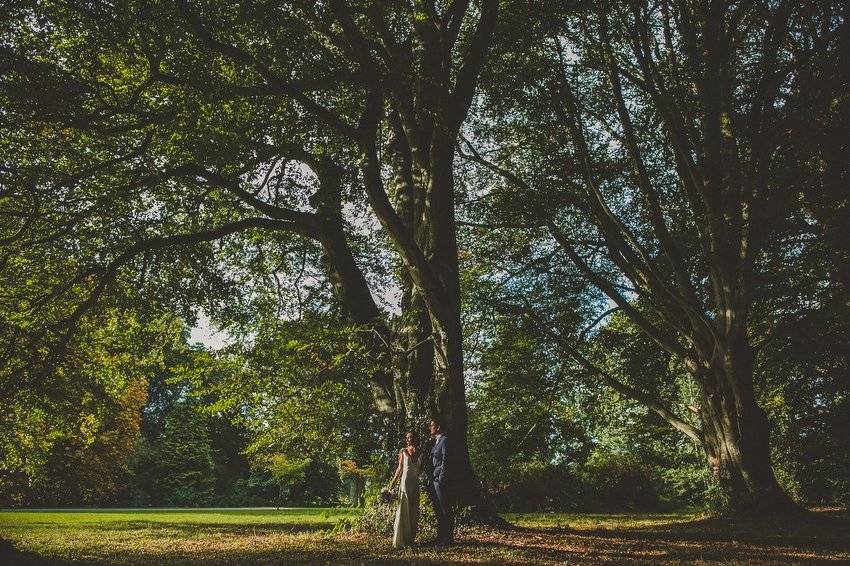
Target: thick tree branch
(275, 83)
(643, 181)
(110, 272)
(411, 254)
(606, 287)
(473, 60)
(305, 219)
(655, 404)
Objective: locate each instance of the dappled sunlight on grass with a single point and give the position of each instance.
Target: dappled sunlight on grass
(304, 536)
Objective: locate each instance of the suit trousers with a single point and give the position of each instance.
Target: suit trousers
(444, 509)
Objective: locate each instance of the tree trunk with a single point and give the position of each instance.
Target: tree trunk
(413, 363)
(736, 438)
(450, 396)
(414, 358)
(449, 383)
(429, 97)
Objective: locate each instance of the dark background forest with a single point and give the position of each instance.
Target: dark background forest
(606, 241)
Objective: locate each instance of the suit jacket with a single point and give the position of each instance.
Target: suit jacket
(439, 460)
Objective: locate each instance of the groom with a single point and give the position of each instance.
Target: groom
(439, 482)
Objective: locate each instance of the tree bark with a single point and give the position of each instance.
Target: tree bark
(736, 437)
(449, 392)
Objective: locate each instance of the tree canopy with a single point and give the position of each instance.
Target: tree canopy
(553, 224)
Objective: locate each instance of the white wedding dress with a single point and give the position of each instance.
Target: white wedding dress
(407, 514)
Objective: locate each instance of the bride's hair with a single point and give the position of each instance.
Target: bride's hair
(414, 439)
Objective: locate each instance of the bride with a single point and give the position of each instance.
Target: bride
(407, 514)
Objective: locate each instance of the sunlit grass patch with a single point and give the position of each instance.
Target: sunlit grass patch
(584, 521)
(179, 534)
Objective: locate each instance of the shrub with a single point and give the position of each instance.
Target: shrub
(617, 482)
(535, 485)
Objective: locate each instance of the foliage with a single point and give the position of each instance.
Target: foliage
(378, 515)
(298, 392)
(184, 464)
(618, 481)
(71, 444)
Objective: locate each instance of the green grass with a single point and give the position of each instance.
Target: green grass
(214, 537)
(133, 536)
(314, 517)
(586, 521)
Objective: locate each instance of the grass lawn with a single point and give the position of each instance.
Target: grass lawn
(304, 536)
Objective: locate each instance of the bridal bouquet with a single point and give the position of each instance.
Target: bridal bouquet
(387, 495)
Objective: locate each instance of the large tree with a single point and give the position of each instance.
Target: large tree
(169, 130)
(655, 133)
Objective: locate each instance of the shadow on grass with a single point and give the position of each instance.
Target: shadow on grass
(344, 553)
(699, 541)
(11, 555)
(824, 537)
(822, 528)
